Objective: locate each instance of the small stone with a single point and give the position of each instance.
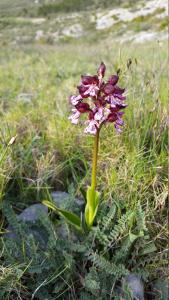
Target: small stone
(161, 289)
(25, 98)
(33, 213)
(75, 30)
(135, 285)
(64, 200)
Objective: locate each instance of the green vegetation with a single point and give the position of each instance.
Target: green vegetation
(20, 21)
(130, 233)
(149, 22)
(51, 154)
(76, 5)
(47, 7)
(164, 24)
(73, 266)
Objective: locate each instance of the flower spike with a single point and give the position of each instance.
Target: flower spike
(103, 101)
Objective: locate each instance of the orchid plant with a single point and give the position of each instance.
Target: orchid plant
(102, 102)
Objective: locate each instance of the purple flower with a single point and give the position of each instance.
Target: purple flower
(113, 79)
(75, 116)
(91, 127)
(103, 101)
(75, 99)
(89, 86)
(83, 107)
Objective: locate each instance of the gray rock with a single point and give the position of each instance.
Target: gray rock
(33, 213)
(135, 285)
(64, 200)
(75, 30)
(10, 233)
(25, 98)
(161, 289)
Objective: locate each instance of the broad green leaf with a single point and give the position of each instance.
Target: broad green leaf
(149, 248)
(69, 216)
(91, 206)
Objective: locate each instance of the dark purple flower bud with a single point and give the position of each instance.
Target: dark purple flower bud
(113, 79)
(82, 107)
(87, 80)
(108, 89)
(101, 70)
(112, 117)
(121, 106)
(82, 89)
(118, 90)
(100, 101)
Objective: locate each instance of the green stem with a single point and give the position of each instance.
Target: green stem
(95, 156)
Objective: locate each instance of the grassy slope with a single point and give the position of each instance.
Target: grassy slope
(50, 153)
(132, 167)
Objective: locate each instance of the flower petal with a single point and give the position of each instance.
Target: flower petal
(112, 117)
(82, 107)
(120, 97)
(75, 99)
(91, 128)
(120, 122)
(118, 128)
(82, 89)
(118, 90)
(75, 116)
(99, 114)
(86, 79)
(92, 90)
(108, 89)
(113, 79)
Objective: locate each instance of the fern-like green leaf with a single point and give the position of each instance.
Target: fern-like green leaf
(107, 220)
(107, 266)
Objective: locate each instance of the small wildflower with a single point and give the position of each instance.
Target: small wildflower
(101, 101)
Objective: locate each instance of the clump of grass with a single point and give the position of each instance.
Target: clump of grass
(76, 5)
(164, 23)
(10, 280)
(6, 167)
